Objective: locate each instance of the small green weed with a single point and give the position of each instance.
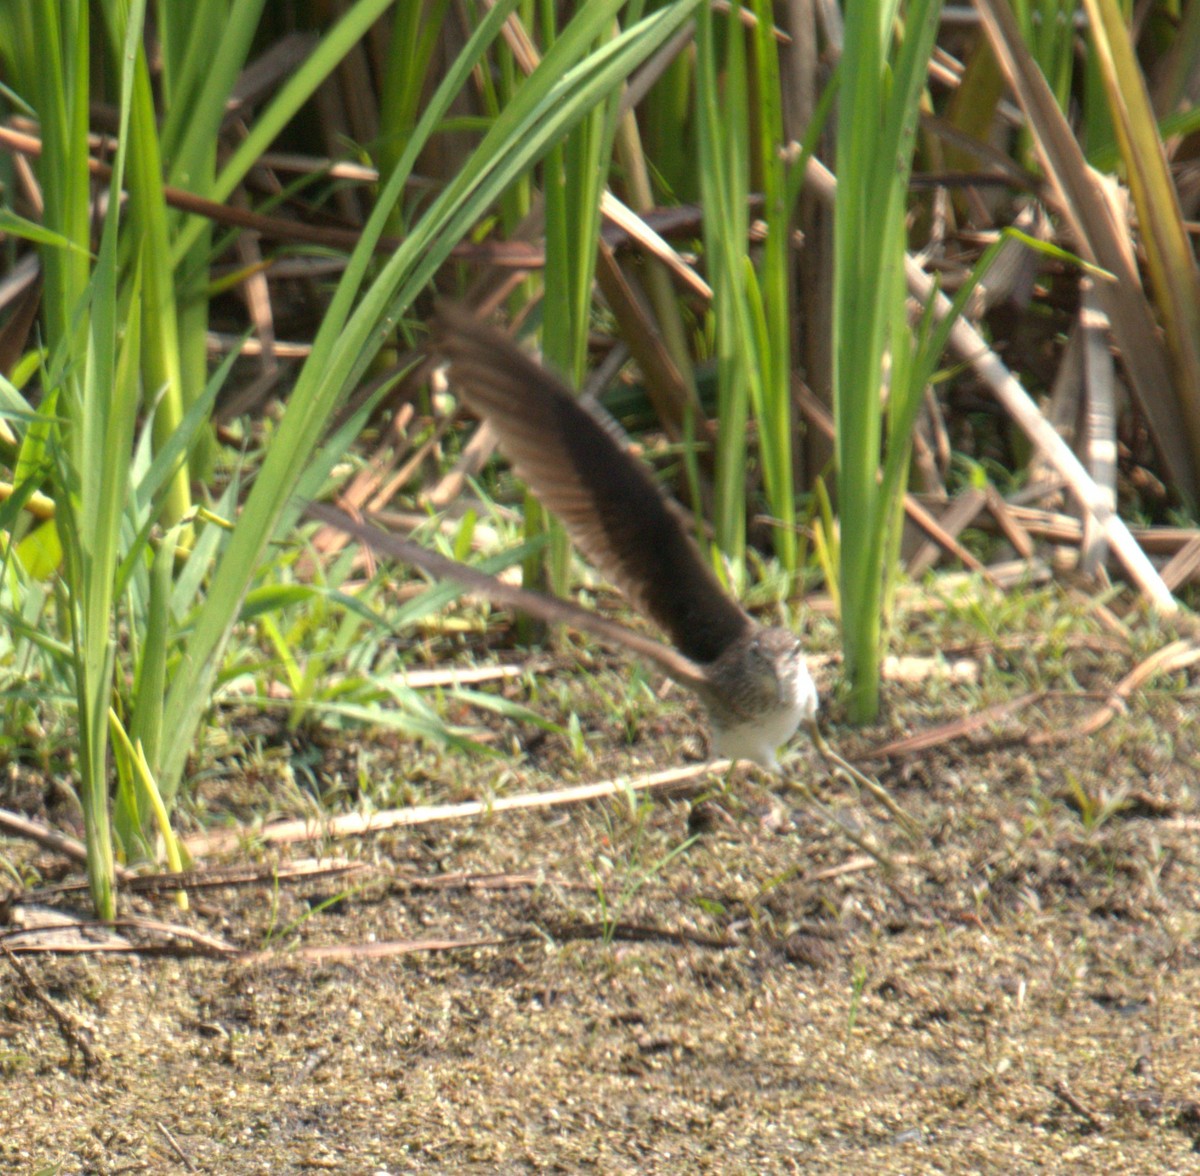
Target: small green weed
(625, 861)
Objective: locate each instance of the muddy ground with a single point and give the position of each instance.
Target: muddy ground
(1021, 993)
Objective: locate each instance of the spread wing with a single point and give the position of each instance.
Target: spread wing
(611, 507)
(549, 609)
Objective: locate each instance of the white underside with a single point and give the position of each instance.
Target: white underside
(760, 741)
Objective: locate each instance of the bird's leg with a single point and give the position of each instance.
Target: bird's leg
(910, 826)
(866, 844)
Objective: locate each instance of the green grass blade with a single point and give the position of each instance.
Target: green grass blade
(148, 222)
(330, 50)
(878, 100)
(346, 343)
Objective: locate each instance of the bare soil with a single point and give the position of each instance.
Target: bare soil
(1021, 993)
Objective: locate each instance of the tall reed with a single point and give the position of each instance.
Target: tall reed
(882, 77)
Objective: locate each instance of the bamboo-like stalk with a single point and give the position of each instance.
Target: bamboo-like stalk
(880, 89)
(722, 118)
(97, 396)
(1021, 406)
(773, 407)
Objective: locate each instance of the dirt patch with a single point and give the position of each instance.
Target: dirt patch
(1022, 994)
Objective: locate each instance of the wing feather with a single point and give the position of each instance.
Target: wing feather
(612, 508)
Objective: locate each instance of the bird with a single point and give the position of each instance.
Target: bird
(751, 678)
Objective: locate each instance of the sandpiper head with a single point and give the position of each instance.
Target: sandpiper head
(761, 692)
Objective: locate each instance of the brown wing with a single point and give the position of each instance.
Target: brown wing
(549, 609)
(610, 505)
